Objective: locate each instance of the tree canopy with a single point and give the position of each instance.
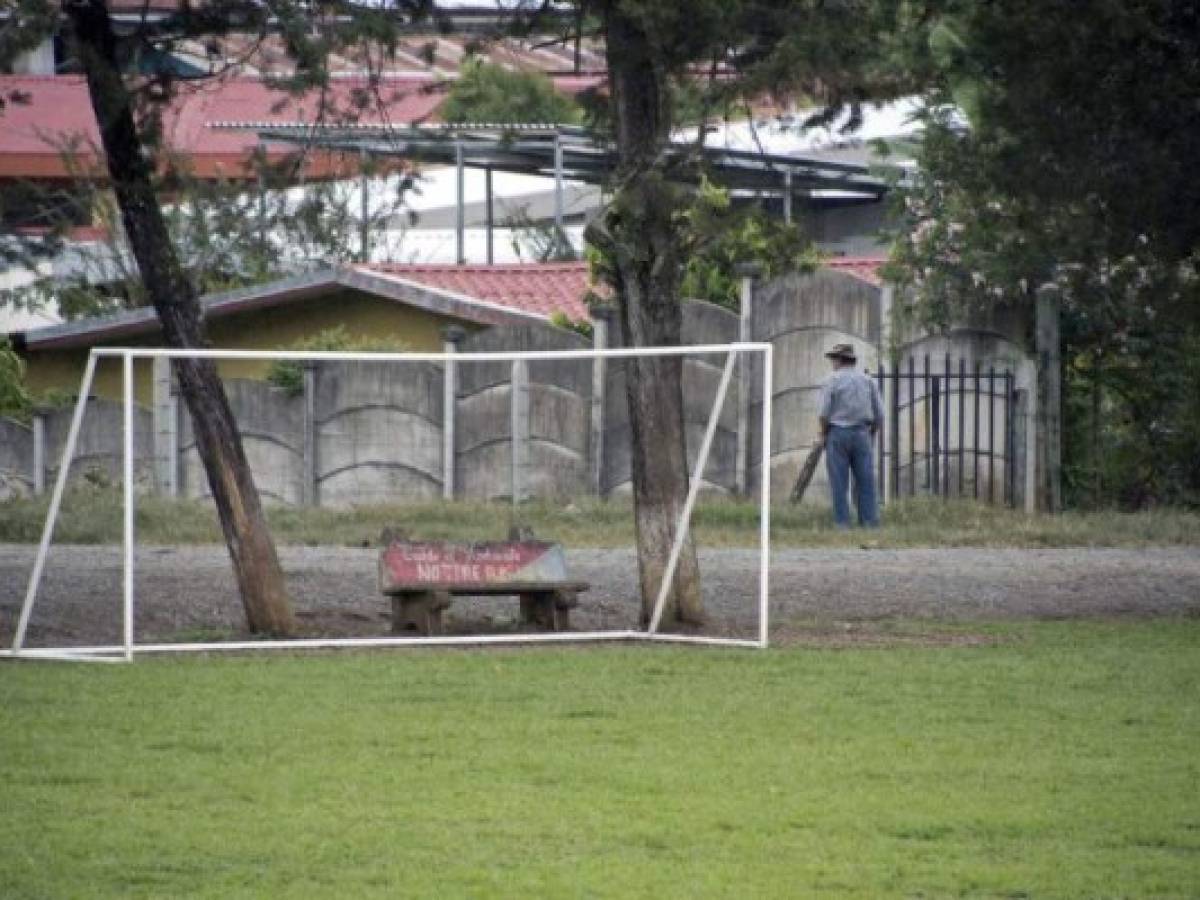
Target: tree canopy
(1059, 144)
(486, 92)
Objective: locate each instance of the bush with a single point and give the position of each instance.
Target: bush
(485, 92)
(15, 401)
(290, 375)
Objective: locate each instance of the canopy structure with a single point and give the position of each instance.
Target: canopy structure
(572, 153)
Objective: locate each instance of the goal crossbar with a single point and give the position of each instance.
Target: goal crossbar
(125, 651)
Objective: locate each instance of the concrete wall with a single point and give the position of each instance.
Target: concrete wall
(549, 409)
(366, 433)
(378, 432)
(271, 423)
(802, 316)
(703, 323)
(16, 460)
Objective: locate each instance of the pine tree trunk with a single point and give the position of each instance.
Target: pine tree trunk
(255, 563)
(639, 234)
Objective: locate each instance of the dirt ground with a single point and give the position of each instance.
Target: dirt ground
(839, 596)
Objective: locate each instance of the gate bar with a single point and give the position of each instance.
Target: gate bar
(962, 415)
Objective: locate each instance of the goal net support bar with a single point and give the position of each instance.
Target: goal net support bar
(126, 650)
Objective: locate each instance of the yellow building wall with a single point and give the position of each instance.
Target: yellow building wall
(363, 316)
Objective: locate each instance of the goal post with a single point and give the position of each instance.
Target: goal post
(128, 646)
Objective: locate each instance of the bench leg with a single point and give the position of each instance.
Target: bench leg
(537, 609)
(564, 602)
(548, 610)
(419, 613)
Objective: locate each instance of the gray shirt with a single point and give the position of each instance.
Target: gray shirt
(849, 398)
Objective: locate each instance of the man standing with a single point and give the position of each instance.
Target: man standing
(851, 412)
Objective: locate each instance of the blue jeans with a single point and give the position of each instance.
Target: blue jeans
(847, 452)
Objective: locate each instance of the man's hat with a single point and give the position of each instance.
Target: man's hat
(842, 351)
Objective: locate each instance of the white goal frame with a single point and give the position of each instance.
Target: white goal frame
(125, 651)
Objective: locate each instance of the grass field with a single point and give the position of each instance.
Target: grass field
(93, 515)
(1056, 760)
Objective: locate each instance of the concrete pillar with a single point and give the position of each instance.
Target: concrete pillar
(887, 305)
(174, 453)
(308, 487)
(741, 478)
(889, 357)
(520, 430)
(1049, 364)
(1026, 416)
(165, 420)
(452, 336)
(601, 319)
(39, 452)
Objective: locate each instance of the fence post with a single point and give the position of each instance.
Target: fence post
(39, 452)
(174, 452)
(741, 470)
(520, 428)
(1049, 400)
(308, 485)
(1027, 446)
(163, 424)
(887, 302)
(452, 336)
(601, 318)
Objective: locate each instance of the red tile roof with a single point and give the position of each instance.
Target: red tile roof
(543, 288)
(538, 288)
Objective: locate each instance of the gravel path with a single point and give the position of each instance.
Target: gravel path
(190, 590)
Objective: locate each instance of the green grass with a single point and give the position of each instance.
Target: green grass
(1057, 761)
(93, 515)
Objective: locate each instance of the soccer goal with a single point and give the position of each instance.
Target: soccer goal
(530, 445)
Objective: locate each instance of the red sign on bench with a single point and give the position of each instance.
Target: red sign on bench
(440, 563)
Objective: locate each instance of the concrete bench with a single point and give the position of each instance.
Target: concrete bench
(422, 578)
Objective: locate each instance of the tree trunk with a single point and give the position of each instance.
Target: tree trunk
(255, 563)
(638, 234)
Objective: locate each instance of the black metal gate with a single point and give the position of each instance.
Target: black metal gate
(949, 432)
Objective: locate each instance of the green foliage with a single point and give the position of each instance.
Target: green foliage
(227, 233)
(1067, 170)
(721, 238)
(560, 319)
(290, 375)
(540, 241)
(15, 402)
(485, 92)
